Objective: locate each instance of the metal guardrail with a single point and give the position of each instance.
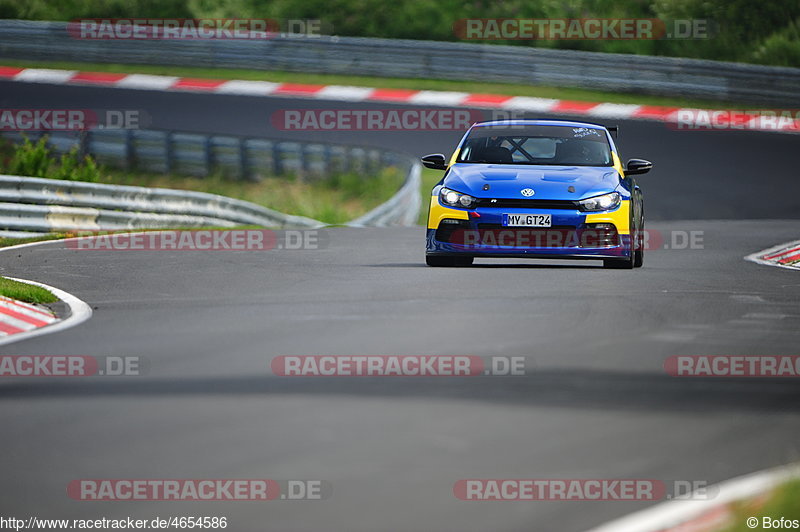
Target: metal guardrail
(421, 59)
(30, 205)
(34, 205)
(402, 209)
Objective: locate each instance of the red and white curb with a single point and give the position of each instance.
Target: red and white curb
(18, 317)
(21, 321)
(669, 115)
(693, 514)
(783, 256)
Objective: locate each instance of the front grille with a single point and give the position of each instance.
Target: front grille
(550, 237)
(600, 239)
(510, 203)
(444, 233)
(557, 236)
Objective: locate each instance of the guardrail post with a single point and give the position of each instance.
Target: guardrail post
(303, 163)
(326, 160)
(277, 162)
(363, 167)
(83, 143)
(208, 155)
(373, 162)
(169, 156)
(347, 163)
(129, 160)
(243, 163)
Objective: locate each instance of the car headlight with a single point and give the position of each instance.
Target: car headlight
(600, 203)
(456, 199)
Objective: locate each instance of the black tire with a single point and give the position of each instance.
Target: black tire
(638, 252)
(636, 258)
(447, 261)
(618, 264)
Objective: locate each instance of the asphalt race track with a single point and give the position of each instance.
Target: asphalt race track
(697, 175)
(595, 402)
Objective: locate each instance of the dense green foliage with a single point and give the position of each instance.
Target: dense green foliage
(766, 31)
(38, 160)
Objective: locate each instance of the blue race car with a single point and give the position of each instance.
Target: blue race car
(539, 189)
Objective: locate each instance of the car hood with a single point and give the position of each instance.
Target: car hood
(547, 182)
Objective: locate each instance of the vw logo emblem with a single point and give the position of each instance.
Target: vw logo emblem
(527, 192)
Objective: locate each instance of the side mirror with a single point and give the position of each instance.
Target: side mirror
(436, 161)
(638, 166)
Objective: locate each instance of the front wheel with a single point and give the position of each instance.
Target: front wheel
(447, 260)
(619, 264)
(638, 253)
(638, 257)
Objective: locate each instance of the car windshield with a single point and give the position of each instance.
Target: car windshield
(537, 144)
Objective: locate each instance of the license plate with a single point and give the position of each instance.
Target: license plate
(527, 220)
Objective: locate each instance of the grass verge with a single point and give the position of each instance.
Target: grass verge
(5, 241)
(25, 292)
(510, 89)
(783, 502)
(334, 200)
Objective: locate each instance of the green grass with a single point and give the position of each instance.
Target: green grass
(5, 241)
(25, 292)
(333, 200)
(510, 89)
(783, 502)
